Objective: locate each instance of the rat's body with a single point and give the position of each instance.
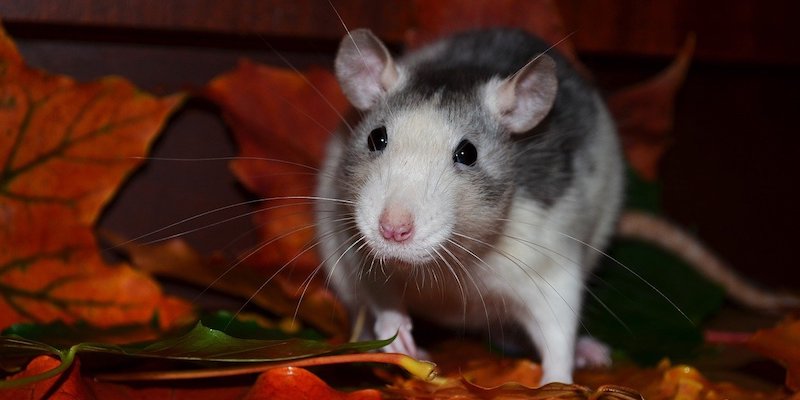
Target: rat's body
(476, 189)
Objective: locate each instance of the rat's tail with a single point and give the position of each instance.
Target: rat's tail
(656, 230)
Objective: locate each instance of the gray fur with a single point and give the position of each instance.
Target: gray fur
(543, 156)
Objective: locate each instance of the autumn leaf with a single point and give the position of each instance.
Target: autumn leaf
(73, 385)
(175, 259)
(644, 114)
(285, 117)
(781, 343)
(201, 344)
(57, 387)
(675, 382)
(64, 149)
(219, 355)
(296, 383)
(278, 383)
(281, 121)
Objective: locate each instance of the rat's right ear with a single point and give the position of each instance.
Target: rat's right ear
(365, 69)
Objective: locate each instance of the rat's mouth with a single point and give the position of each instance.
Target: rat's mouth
(403, 255)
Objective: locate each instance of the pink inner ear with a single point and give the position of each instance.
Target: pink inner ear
(506, 97)
(390, 75)
(525, 98)
(365, 69)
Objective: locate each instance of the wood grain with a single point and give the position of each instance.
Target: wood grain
(294, 18)
(745, 31)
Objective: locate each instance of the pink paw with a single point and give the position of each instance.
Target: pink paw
(389, 323)
(590, 352)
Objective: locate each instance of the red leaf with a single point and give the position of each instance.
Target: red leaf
(644, 114)
(66, 387)
(292, 383)
(73, 386)
(288, 116)
(781, 343)
(175, 259)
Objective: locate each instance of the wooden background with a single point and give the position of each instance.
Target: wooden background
(730, 175)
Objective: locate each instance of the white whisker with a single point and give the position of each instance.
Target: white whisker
(630, 270)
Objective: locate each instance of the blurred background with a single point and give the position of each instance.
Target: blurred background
(729, 174)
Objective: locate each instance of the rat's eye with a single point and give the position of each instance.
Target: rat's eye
(465, 153)
(377, 139)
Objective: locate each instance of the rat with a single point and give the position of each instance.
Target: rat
(474, 191)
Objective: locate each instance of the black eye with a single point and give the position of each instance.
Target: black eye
(377, 139)
(465, 153)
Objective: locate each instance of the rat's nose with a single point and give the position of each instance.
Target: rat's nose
(396, 224)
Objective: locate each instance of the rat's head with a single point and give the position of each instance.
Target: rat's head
(430, 164)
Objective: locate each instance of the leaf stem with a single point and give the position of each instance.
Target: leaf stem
(421, 369)
(66, 358)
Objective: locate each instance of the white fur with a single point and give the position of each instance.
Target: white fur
(406, 176)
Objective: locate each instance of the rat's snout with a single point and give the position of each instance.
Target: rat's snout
(396, 224)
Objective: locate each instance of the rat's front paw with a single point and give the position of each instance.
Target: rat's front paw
(389, 323)
(591, 353)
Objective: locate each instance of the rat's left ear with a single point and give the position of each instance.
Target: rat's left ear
(523, 99)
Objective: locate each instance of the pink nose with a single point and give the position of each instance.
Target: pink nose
(396, 225)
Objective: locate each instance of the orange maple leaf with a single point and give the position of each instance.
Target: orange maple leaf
(781, 343)
(175, 259)
(64, 149)
(281, 120)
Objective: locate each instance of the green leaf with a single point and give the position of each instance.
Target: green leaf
(226, 322)
(649, 326)
(206, 344)
(61, 335)
(201, 344)
(642, 195)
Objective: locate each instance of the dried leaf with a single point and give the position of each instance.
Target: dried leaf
(644, 114)
(64, 150)
(69, 387)
(296, 383)
(175, 259)
(74, 386)
(668, 382)
(781, 343)
(201, 344)
(279, 383)
(282, 115)
(463, 390)
(473, 362)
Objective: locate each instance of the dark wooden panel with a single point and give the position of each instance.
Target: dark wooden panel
(747, 31)
(729, 173)
(293, 18)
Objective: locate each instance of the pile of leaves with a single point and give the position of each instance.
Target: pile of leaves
(78, 327)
